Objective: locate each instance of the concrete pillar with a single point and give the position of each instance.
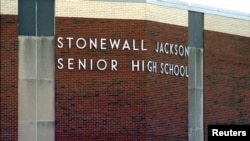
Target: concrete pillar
(36, 90)
(195, 80)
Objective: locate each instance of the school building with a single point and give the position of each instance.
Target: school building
(121, 70)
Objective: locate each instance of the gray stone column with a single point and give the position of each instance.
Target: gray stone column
(36, 90)
(195, 79)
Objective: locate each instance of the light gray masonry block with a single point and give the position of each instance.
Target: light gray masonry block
(27, 131)
(45, 100)
(27, 99)
(45, 130)
(45, 57)
(195, 61)
(27, 57)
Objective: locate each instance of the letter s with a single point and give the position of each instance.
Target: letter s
(244, 133)
(60, 43)
(60, 64)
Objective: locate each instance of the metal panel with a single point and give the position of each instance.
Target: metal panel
(45, 17)
(36, 17)
(195, 29)
(27, 17)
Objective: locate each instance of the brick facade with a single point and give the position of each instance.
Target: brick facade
(226, 79)
(8, 75)
(126, 104)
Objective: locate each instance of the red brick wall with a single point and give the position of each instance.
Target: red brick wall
(120, 105)
(226, 79)
(126, 105)
(8, 77)
(166, 95)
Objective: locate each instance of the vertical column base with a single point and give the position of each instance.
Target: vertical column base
(36, 94)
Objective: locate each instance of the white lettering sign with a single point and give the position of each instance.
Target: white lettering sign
(151, 66)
